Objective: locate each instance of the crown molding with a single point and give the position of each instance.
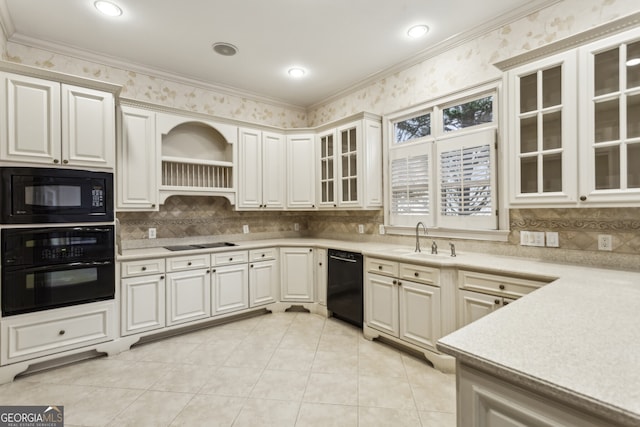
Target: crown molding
(101, 59)
(439, 48)
(601, 31)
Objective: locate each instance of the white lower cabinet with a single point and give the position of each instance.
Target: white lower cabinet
(263, 277)
(486, 401)
(419, 313)
(482, 293)
(38, 334)
(188, 296)
(230, 288)
(297, 274)
(405, 309)
(143, 307)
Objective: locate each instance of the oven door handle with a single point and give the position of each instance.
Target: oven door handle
(89, 264)
(342, 259)
(58, 267)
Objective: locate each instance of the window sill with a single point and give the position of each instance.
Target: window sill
(487, 235)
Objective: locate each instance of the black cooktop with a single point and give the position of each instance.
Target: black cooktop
(199, 246)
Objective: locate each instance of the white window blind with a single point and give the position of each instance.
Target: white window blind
(466, 179)
(410, 184)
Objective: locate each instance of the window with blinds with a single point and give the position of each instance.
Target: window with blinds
(444, 176)
(410, 190)
(466, 178)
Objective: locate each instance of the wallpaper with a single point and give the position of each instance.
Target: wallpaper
(161, 91)
(472, 63)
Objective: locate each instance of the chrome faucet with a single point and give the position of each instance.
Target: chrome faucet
(418, 235)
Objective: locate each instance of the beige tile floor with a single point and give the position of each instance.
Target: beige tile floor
(286, 369)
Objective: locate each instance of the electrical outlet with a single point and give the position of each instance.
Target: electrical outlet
(296, 227)
(524, 238)
(245, 229)
(360, 228)
(152, 233)
(604, 242)
(381, 229)
(552, 239)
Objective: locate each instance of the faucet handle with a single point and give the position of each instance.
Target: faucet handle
(453, 249)
(434, 247)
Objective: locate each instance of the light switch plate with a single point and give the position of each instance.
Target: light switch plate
(381, 229)
(360, 228)
(552, 239)
(245, 229)
(152, 233)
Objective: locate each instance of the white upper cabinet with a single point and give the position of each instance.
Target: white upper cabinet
(610, 120)
(300, 172)
(30, 118)
(137, 161)
(88, 127)
(543, 131)
(349, 159)
(262, 177)
(574, 126)
(46, 122)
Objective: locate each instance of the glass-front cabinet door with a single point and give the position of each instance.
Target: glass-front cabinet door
(542, 131)
(611, 121)
(348, 139)
(327, 190)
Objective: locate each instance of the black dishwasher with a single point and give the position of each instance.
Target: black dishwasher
(344, 286)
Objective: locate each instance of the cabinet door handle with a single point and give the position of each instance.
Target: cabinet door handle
(65, 161)
(144, 268)
(497, 302)
(208, 271)
(583, 198)
(189, 263)
(251, 265)
(230, 259)
(56, 161)
(310, 250)
(399, 283)
(153, 205)
(395, 282)
(161, 277)
(379, 267)
(213, 271)
(263, 255)
(501, 287)
(416, 274)
(320, 264)
(62, 332)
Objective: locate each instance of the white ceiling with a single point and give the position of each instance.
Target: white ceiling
(342, 43)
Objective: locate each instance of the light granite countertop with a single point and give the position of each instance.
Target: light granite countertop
(576, 339)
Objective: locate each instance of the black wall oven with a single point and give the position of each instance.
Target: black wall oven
(51, 267)
(47, 195)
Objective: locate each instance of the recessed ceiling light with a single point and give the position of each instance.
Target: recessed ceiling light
(297, 72)
(108, 8)
(417, 31)
(225, 49)
(633, 62)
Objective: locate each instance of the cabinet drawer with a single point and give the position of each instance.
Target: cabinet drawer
(39, 334)
(382, 266)
(188, 262)
(263, 254)
(420, 274)
(498, 285)
(139, 268)
(227, 258)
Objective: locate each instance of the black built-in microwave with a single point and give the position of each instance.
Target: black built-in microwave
(46, 195)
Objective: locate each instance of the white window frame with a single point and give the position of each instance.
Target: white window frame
(430, 144)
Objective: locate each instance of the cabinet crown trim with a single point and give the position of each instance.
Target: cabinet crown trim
(601, 31)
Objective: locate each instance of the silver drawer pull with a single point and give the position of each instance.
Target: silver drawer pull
(62, 332)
